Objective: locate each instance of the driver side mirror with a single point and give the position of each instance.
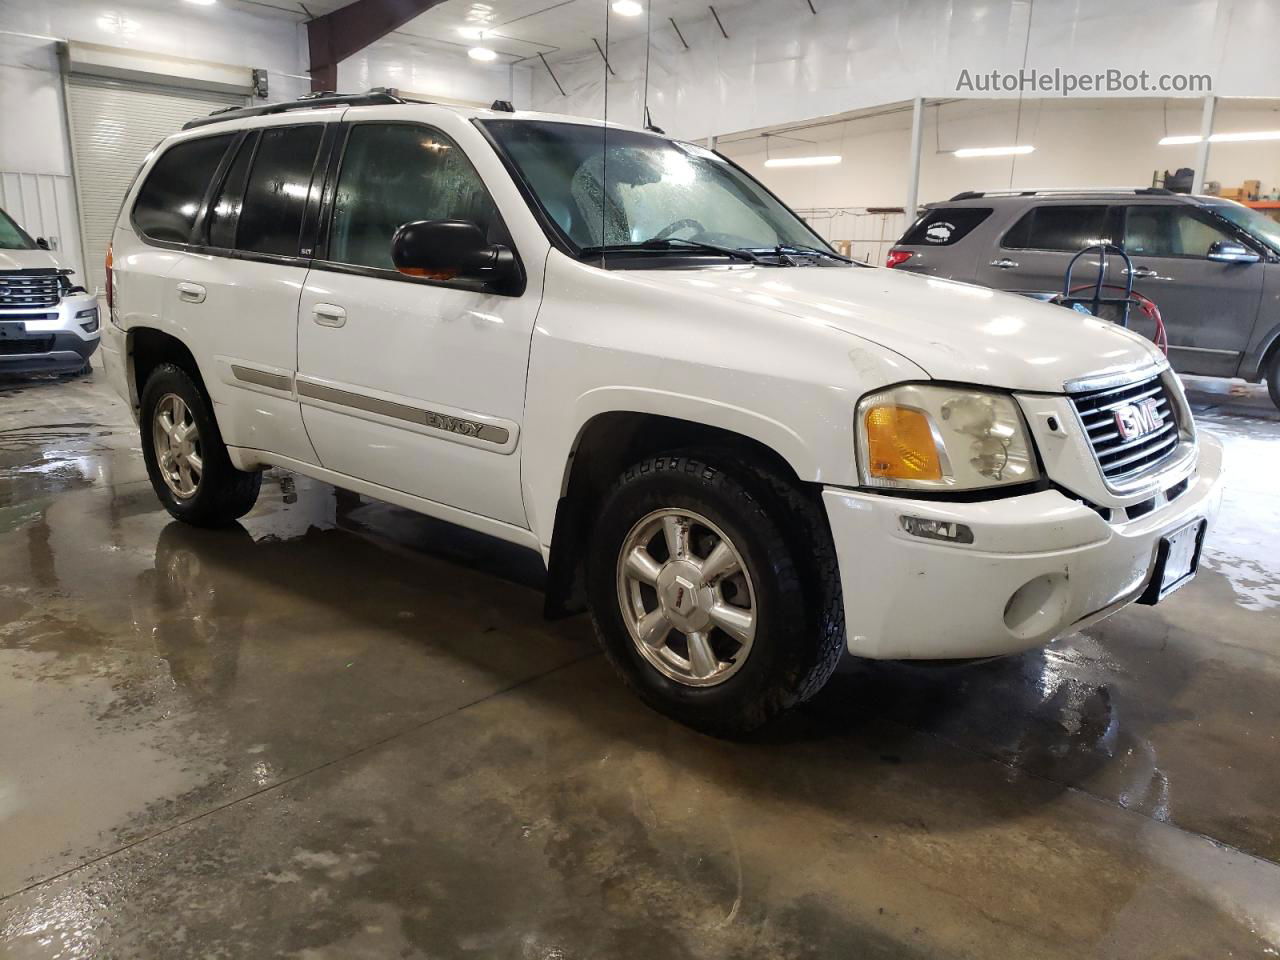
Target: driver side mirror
(453, 250)
(1224, 251)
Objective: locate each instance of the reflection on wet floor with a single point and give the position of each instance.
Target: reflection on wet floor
(341, 729)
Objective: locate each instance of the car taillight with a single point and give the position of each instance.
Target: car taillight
(897, 258)
(111, 300)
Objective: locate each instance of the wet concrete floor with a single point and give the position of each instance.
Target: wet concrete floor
(344, 730)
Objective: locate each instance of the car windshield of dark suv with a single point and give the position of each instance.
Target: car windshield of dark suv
(609, 190)
(12, 236)
(1251, 221)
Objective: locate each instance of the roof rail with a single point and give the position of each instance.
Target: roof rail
(311, 101)
(1050, 191)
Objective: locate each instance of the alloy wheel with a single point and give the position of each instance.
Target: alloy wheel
(178, 450)
(687, 597)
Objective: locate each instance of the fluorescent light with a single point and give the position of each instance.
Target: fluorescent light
(1176, 141)
(482, 53)
(1243, 137)
(627, 8)
(993, 151)
(203, 3)
(803, 161)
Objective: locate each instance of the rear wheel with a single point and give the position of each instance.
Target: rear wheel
(714, 593)
(186, 459)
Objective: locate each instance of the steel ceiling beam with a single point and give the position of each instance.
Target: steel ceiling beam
(346, 31)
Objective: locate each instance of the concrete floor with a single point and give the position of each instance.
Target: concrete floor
(343, 730)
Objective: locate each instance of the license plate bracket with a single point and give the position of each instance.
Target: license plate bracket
(13, 330)
(1177, 560)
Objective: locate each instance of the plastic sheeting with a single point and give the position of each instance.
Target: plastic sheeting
(781, 63)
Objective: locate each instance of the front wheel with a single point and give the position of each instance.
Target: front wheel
(186, 459)
(714, 593)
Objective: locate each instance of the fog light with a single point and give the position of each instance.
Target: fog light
(945, 530)
(88, 319)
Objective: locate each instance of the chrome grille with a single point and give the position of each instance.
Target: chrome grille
(30, 288)
(1119, 458)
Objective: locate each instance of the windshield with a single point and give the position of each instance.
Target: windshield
(12, 236)
(626, 188)
(1251, 221)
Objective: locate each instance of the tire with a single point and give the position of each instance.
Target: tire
(1273, 377)
(792, 591)
(220, 494)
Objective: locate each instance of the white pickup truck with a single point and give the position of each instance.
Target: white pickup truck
(745, 454)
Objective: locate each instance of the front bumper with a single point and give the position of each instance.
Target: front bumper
(50, 340)
(907, 598)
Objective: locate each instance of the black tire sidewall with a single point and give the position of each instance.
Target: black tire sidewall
(764, 683)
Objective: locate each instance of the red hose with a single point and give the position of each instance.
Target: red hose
(1145, 304)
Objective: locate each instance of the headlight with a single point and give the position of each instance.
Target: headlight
(926, 437)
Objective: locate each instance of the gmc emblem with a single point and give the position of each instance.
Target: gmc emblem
(1135, 420)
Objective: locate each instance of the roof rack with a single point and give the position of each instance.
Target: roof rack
(379, 96)
(1049, 191)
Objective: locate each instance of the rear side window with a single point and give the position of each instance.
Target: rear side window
(944, 226)
(170, 197)
(1059, 227)
(224, 212)
(276, 195)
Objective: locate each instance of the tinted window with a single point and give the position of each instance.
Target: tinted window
(1059, 228)
(276, 195)
(1169, 231)
(224, 212)
(944, 226)
(393, 174)
(174, 189)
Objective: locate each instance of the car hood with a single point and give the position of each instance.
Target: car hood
(954, 331)
(27, 260)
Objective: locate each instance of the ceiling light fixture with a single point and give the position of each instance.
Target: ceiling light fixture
(1245, 137)
(483, 54)
(203, 3)
(627, 8)
(1179, 140)
(994, 151)
(803, 161)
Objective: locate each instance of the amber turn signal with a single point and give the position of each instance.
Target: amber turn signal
(900, 444)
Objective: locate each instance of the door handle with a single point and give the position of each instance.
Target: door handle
(1004, 263)
(190, 292)
(1145, 273)
(329, 315)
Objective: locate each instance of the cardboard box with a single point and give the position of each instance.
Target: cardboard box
(1232, 193)
(1252, 188)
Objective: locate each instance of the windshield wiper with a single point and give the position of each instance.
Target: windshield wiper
(804, 248)
(666, 244)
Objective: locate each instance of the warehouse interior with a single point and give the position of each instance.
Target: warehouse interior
(344, 726)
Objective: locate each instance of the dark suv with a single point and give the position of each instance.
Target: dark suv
(1211, 265)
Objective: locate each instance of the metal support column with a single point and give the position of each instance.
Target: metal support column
(913, 162)
(1202, 155)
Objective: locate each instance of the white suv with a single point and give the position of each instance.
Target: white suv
(742, 452)
(47, 323)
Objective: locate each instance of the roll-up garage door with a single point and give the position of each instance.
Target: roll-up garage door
(114, 123)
